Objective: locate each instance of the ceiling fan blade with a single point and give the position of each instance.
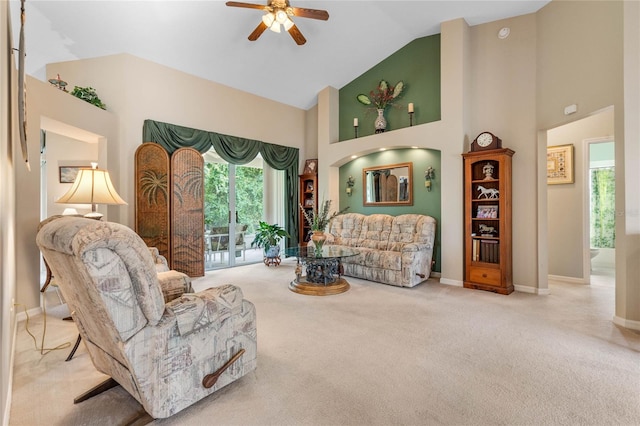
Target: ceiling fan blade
(297, 35)
(258, 31)
(246, 5)
(309, 13)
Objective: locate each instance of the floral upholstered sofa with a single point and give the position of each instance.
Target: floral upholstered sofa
(396, 250)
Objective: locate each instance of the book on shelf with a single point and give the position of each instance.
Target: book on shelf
(475, 250)
(489, 251)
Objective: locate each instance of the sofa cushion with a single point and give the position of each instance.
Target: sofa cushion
(376, 229)
(346, 230)
(410, 228)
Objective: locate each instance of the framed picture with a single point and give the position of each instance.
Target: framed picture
(310, 166)
(559, 164)
(487, 211)
(68, 173)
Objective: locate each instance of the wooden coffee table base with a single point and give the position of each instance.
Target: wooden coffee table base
(303, 287)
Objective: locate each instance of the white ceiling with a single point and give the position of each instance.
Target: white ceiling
(209, 39)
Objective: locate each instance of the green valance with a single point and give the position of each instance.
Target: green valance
(235, 150)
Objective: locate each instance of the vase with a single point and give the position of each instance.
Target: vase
(380, 123)
(318, 239)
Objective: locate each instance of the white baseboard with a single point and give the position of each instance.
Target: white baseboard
(532, 290)
(630, 324)
(521, 288)
(7, 402)
(21, 315)
(449, 281)
(570, 280)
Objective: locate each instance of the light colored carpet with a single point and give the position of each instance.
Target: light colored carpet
(380, 355)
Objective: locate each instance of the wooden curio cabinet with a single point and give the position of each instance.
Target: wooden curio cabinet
(308, 187)
(487, 220)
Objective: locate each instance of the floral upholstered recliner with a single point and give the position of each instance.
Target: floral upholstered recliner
(396, 250)
(162, 347)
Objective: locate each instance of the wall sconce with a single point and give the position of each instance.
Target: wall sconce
(350, 184)
(429, 175)
(410, 111)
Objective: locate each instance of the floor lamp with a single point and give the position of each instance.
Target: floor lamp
(92, 186)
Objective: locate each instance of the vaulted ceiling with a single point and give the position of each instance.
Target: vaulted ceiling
(209, 39)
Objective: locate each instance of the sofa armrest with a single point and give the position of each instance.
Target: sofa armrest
(174, 284)
(197, 310)
(159, 260)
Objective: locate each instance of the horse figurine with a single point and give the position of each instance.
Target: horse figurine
(487, 192)
(485, 229)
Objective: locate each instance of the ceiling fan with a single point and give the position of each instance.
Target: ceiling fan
(279, 13)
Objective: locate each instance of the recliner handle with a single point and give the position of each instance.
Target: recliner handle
(211, 379)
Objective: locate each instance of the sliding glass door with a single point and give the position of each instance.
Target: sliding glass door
(233, 208)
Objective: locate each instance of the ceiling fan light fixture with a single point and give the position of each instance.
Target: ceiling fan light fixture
(287, 24)
(268, 19)
(281, 16)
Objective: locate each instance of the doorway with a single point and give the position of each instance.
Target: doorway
(569, 204)
(64, 148)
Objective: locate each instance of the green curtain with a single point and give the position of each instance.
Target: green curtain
(235, 150)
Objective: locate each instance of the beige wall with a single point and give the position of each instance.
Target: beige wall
(579, 59)
(565, 206)
(503, 102)
(628, 179)
(7, 212)
(135, 89)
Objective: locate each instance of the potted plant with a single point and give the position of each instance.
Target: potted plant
(318, 221)
(268, 237)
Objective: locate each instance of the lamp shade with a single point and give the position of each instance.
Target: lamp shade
(92, 186)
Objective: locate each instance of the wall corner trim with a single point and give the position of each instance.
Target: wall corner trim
(623, 322)
(532, 290)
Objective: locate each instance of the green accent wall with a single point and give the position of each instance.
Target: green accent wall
(418, 65)
(424, 202)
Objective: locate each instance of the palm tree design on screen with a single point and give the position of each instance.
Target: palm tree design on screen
(154, 184)
(190, 182)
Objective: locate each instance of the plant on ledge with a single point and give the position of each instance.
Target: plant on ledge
(88, 94)
(268, 237)
(384, 95)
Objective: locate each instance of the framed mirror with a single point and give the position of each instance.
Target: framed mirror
(388, 185)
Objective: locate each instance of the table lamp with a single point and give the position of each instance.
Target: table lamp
(92, 186)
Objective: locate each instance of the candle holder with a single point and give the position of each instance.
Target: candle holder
(410, 119)
(355, 128)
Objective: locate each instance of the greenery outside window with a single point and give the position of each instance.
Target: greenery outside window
(603, 218)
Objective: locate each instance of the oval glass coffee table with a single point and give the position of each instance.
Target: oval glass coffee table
(323, 271)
